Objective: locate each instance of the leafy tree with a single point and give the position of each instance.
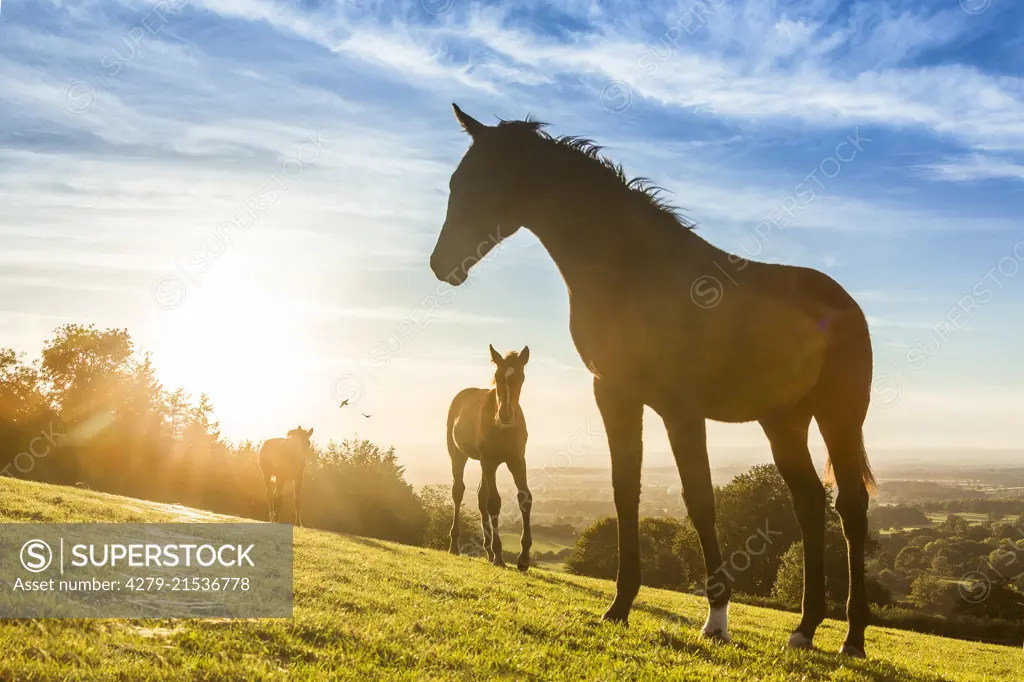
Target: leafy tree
(931, 593)
(660, 565)
(992, 597)
(897, 516)
(439, 509)
(954, 525)
(908, 558)
(789, 583)
(596, 552)
(83, 367)
(896, 583)
(20, 395)
(941, 566)
(361, 489)
(757, 526)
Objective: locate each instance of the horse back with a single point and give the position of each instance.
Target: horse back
(282, 458)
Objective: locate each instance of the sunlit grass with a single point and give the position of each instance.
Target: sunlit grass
(370, 610)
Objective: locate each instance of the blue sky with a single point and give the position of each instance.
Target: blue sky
(132, 134)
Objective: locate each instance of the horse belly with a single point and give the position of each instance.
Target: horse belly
(756, 379)
(464, 433)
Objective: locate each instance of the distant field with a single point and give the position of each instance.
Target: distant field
(370, 610)
(973, 519)
(511, 542)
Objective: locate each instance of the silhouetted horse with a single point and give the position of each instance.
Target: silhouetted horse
(488, 425)
(283, 460)
(662, 318)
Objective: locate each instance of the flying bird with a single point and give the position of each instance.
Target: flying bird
(366, 415)
(344, 403)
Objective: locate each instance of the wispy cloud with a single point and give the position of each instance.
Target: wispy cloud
(974, 168)
(105, 185)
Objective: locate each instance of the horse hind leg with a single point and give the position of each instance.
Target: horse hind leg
(277, 500)
(848, 461)
(458, 490)
(269, 480)
(788, 437)
(842, 407)
(485, 518)
(494, 512)
(297, 500)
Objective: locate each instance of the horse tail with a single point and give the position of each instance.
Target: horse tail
(867, 475)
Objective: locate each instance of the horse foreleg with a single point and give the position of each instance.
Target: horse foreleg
(623, 422)
(518, 470)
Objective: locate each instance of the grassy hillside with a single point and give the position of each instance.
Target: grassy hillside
(371, 610)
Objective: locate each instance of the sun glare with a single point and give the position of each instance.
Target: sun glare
(238, 343)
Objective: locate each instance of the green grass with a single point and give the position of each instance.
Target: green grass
(370, 610)
(541, 543)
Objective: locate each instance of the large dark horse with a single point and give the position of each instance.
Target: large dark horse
(662, 318)
(488, 425)
(283, 461)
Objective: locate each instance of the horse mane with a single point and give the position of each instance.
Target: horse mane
(586, 149)
(296, 432)
(512, 355)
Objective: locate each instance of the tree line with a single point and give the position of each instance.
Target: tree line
(90, 412)
(952, 578)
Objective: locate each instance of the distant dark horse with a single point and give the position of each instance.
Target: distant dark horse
(664, 319)
(283, 461)
(488, 425)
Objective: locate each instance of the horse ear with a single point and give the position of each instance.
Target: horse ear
(524, 355)
(468, 123)
(495, 356)
(310, 432)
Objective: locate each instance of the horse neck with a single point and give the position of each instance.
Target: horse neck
(604, 239)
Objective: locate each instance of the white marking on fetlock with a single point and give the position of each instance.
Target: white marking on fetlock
(799, 640)
(717, 624)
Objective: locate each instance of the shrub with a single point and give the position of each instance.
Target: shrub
(439, 509)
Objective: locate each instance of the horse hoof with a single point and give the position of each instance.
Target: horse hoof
(799, 640)
(716, 635)
(852, 651)
(523, 568)
(615, 615)
(499, 563)
(717, 625)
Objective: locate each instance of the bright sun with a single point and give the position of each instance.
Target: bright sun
(233, 340)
